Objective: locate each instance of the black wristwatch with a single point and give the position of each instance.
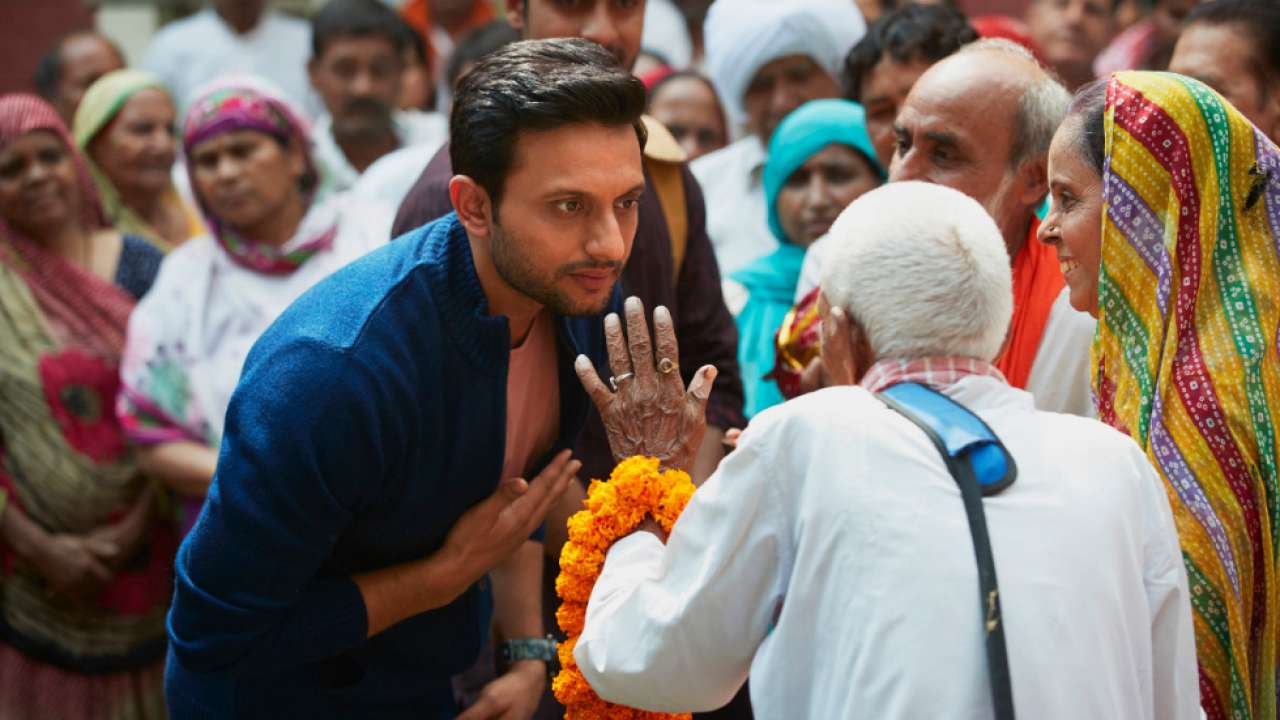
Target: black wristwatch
(529, 649)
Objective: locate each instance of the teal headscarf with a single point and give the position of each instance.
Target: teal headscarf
(803, 134)
(771, 280)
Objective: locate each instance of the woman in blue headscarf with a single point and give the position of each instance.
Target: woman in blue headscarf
(820, 160)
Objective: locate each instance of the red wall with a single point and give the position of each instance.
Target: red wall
(27, 29)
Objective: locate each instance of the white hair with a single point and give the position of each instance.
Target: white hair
(923, 270)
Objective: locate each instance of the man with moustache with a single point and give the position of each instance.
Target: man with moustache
(980, 121)
(356, 65)
(371, 470)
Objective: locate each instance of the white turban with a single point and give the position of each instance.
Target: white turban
(744, 35)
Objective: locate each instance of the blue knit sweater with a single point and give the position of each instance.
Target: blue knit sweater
(367, 419)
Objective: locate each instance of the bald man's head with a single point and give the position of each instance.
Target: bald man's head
(980, 121)
(73, 64)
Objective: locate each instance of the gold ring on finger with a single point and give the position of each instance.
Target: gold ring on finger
(667, 365)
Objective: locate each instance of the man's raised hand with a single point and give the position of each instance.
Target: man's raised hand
(489, 532)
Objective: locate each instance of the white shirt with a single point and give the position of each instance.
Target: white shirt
(1059, 379)
(666, 33)
(390, 178)
(839, 512)
(190, 52)
(737, 220)
(205, 312)
(426, 131)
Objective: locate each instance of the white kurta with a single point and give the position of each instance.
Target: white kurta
(424, 132)
(1059, 378)
(189, 336)
(737, 220)
(829, 558)
(190, 52)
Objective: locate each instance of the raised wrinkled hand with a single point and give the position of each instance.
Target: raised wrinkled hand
(648, 411)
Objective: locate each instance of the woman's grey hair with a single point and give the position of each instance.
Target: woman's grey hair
(923, 270)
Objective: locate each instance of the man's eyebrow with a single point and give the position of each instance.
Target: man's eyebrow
(942, 138)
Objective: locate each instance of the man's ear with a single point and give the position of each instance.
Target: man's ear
(1032, 181)
(515, 13)
(473, 205)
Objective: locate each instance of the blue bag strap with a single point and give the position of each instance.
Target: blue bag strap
(980, 465)
(963, 435)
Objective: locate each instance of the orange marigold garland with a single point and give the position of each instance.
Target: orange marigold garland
(613, 509)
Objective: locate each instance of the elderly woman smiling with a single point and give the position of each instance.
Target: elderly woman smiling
(84, 559)
(125, 125)
(820, 160)
(1166, 209)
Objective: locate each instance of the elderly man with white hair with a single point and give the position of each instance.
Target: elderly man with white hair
(829, 558)
(766, 58)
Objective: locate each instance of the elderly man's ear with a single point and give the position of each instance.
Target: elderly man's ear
(846, 352)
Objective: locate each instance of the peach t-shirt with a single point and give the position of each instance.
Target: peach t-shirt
(533, 399)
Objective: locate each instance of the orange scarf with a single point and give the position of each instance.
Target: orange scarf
(1037, 282)
(418, 14)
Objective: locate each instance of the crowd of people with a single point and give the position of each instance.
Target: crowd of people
(314, 331)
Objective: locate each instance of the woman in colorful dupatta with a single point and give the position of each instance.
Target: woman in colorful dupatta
(248, 154)
(85, 560)
(820, 160)
(125, 126)
(1166, 218)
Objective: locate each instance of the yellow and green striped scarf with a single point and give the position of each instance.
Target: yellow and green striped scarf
(1187, 355)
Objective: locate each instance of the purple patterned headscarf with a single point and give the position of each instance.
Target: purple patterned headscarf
(245, 103)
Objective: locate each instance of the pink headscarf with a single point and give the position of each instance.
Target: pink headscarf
(21, 113)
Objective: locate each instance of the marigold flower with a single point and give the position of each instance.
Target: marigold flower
(614, 508)
(571, 616)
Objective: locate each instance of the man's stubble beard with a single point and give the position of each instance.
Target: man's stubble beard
(515, 270)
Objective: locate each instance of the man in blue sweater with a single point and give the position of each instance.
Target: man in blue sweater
(370, 473)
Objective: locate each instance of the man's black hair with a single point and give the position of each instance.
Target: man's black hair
(345, 18)
(535, 85)
(1258, 20)
(912, 32)
(478, 43)
(49, 69)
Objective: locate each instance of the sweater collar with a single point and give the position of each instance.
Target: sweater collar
(484, 339)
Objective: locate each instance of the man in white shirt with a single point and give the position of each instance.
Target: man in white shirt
(356, 66)
(980, 121)
(233, 37)
(766, 59)
(829, 558)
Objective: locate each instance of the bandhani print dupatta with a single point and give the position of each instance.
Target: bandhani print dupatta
(1187, 356)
